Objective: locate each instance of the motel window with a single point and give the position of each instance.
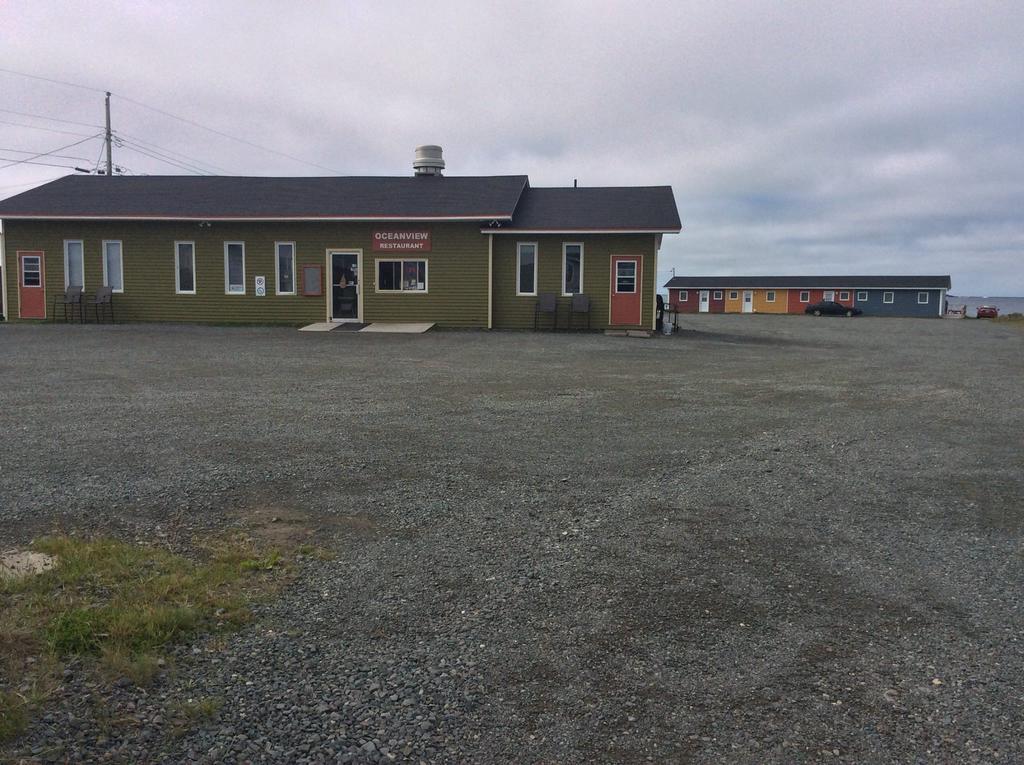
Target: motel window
(401, 276)
(526, 268)
(684, 296)
(805, 297)
(74, 263)
(572, 269)
(922, 298)
(113, 271)
(284, 255)
(185, 268)
(625, 276)
(734, 295)
(31, 271)
(887, 297)
(862, 297)
(770, 296)
(234, 268)
(844, 295)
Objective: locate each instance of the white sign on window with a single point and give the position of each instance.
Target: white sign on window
(261, 286)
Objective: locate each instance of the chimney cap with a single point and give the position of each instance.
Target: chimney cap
(429, 160)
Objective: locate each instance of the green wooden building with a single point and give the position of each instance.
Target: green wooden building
(475, 252)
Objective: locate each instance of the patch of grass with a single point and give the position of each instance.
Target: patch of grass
(1011, 317)
(141, 668)
(13, 715)
(317, 553)
(201, 709)
(117, 605)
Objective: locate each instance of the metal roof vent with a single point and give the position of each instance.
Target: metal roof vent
(428, 161)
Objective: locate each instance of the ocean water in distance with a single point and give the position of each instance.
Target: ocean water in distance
(1004, 304)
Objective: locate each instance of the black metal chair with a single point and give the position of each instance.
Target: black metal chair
(580, 303)
(71, 297)
(547, 302)
(103, 299)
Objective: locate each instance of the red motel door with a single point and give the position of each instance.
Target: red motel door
(626, 283)
(31, 286)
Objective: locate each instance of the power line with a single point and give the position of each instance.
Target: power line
(170, 152)
(173, 163)
(56, 156)
(51, 119)
(175, 117)
(48, 79)
(38, 127)
(165, 157)
(226, 135)
(31, 162)
(47, 153)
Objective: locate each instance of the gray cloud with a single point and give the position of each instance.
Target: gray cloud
(799, 137)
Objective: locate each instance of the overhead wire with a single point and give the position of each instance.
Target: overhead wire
(48, 153)
(165, 113)
(40, 127)
(171, 152)
(51, 119)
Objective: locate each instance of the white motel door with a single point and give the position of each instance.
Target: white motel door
(704, 301)
(748, 301)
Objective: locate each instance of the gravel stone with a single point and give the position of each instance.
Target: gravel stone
(764, 539)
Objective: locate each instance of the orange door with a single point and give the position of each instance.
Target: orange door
(31, 286)
(625, 290)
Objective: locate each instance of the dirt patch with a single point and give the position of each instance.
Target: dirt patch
(19, 563)
(287, 527)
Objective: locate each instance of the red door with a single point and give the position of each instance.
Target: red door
(31, 286)
(626, 283)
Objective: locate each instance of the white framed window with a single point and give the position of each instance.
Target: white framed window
(113, 268)
(684, 296)
(234, 268)
(185, 268)
(922, 298)
(734, 295)
(284, 267)
(31, 271)
(402, 276)
(887, 297)
(625, 276)
(770, 296)
(805, 296)
(572, 268)
(74, 263)
(844, 295)
(526, 268)
(862, 297)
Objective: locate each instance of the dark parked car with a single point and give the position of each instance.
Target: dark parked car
(832, 308)
(987, 312)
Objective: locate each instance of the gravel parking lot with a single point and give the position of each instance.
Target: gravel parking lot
(765, 539)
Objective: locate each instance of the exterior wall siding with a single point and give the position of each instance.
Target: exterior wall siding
(513, 311)
(788, 301)
(779, 305)
(904, 303)
(456, 281)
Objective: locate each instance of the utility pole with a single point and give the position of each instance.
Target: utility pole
(110, 159)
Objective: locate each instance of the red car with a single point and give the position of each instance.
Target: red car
(987, 312)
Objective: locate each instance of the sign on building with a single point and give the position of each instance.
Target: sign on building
(261, 286)
(401, 240)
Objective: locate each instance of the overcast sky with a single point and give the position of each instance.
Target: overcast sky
(799, 137)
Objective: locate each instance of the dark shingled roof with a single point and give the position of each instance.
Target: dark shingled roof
(180, 197)
(623, 208)
(807, 282)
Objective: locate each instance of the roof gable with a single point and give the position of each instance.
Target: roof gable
(603, 208)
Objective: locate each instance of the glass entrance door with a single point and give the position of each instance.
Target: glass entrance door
(345, 286)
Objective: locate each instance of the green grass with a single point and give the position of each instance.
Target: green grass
(115, 606)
